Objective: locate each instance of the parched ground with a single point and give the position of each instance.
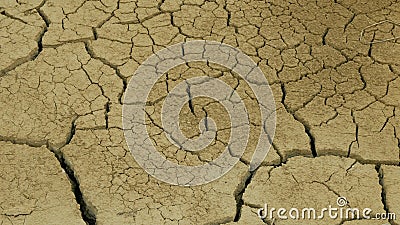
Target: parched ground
(65, 65)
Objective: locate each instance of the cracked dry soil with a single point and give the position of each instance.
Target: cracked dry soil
(65, 65)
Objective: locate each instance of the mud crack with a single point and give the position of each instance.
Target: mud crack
(307, 128)
(239, 194)
(87, 211)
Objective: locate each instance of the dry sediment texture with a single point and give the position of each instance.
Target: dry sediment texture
(65, 65)
(390, 183)
(62, 88)
(292, 186)
(34, 188)
(121, 192)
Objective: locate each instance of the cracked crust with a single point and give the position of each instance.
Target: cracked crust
(65, 66)
(289, 186)
(390, 183)
(34, 189)
(121, 192)
(63, 87)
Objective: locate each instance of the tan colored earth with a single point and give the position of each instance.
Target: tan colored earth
(333, 67)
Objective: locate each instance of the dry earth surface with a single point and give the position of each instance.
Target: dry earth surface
(65, 65)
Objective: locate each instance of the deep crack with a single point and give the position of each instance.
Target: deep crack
(36, 51)
(87, 212)
(239, 194)
(383, 193)
(312, 141)
(107, 110)
(307, 128)
(190, 102)
(114, 67)
(47, 22)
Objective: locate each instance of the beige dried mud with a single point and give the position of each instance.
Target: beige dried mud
(390, 182)
(121, 192)
(63, 87)
(64, 66)
(316, 183)
(34, 189)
